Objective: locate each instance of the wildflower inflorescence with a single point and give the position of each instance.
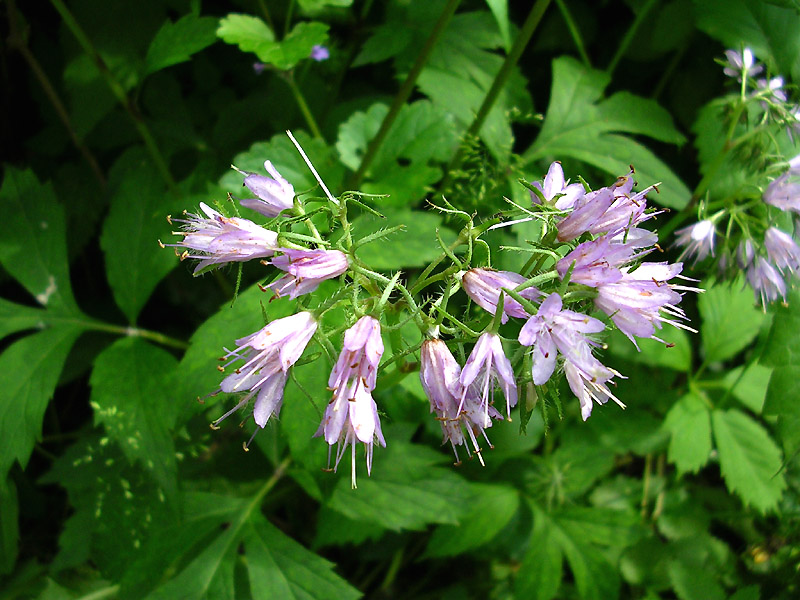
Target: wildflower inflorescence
(586, 274)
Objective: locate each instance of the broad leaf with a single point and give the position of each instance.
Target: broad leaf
(783, 402)
(749, 459)
(18, 317)
(539, 575)
(730, 321)
(33, 248)
(132, 398)
(581, 125)
(749, 385)
(689, 422)
(783, 345)
(176, 42)
(250, 33)
(692, 582)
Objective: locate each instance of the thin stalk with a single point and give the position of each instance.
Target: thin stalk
(118, 91)
(524, 36)
(303, 106)
(574, 32)
(629, 35)
(403, 93)
(267, 17)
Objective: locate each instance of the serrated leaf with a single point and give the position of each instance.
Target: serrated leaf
(137, 219)
(689, 422)
(730, 320)
(539, 575)
(677, 355)
(783, 345)
(749, 460)
(132, 397)
(296, 46)
(33, 248)
(250, 33)
(749, 385)
(279, 567)
(783, 402)
(490, 511)
(29, 372)
(580, 125)
(176, 42)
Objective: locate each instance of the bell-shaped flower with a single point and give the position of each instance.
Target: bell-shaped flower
(306, 269)
(585, 214)
(352, 415)
(782, 250)
(484, 287)
(766, 281)
(739, 64)
(273, 194)
(555, 189)
(267, 356)
(697, 239)
(784, 192)
(219, 240)
(597, 261)
(487, 367)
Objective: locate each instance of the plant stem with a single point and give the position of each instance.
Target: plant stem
(574, 32)
(629, 35)
(130, 331)
(403, 93)
(118, 91)
(303, 105)
(524, 36)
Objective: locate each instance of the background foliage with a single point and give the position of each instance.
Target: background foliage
(111, 483)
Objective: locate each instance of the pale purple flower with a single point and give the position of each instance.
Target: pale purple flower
(597, 261)
(784, 192)
(697, 240)
(352, 415)
(267, 356)
(319, 53)
(587, 389)
(556, 190)
(306, 269)
(258, 67)
(766, 281)
(773, 88)
(220, 239)
(625, 212)
(439, 373)
(274, 194)
(586, 212)
(487, 367)
(739, 64)
(745, 253)
(484, 287)
(782, 250)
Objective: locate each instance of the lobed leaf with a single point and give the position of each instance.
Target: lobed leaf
(730, 321)
(177, 42)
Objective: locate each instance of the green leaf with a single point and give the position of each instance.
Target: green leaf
(676, 355)
(783, 402)
(422, 133)
(132, 397)
(783, 344)
(749, 460)
(18, 317)
(580, 125)
(490, 511)
(250, 33)
(29, 372)
(415, 246)
(499, 10)
(9, 525)
(279, 567)
(730, 320)
(692, 582)
(406, 490)
(689, 422)
(539, 575)
(749, 385)
(33, 247)
(176, 42)
(137, 219)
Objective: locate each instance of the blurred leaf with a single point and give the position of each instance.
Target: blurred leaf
(783, 345)
(176, 42)
(29, 372)
(415, 246)
(132, 397)
(499, 10)
(730, 321)
(33, 248)
(406, 490)
(335, 529)
(315, 6)
(250, 33)
(539, 575)
(491, 509)
(9, 526)
(749, 460)
(749, 385)
(783, 402)
(692, 582)
(18, 317)
(581, 125)
(689, 422)
(677, 355)
(137, 219)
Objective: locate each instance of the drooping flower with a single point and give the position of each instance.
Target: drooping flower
(772, 88)
(273, 194)
(439, 373)
(745, 253)
(784, 192)
(483, 286)
(585, 213)
(306, 269)
(487, 367)
(319, 53)
(697, 239)
(267, 354)
(782, 250)
(597, 261)
(221, 240)
(352, 415)
(556, 190)
(740, 64)
(766, 281)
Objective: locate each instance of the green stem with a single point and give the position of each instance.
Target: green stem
(629, 35)
(303, 105)
(130, 331)
(118, 91)
(524, 36)
(574, 32)
(403, 93)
